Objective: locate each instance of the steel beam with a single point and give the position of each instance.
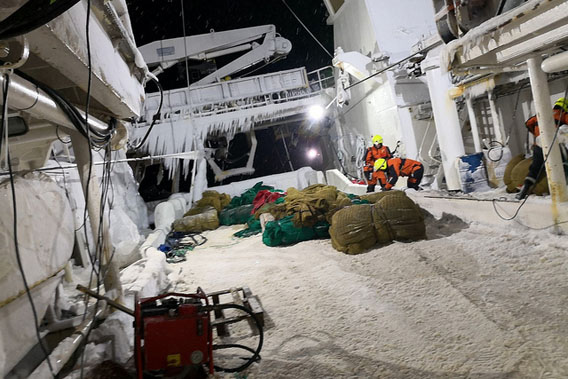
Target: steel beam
(546, 123)
(473, 123)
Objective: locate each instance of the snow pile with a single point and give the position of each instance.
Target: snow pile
(114, 338)
(128, 213)
(124, 236)
(94, 354)
(125, 191)
(146, 277)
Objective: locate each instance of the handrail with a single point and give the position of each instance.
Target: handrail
(317, 82)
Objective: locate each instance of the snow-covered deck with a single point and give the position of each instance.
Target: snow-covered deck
(471, 301)
(476, 299)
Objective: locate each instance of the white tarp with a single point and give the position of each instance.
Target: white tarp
(299, 179)
(45, 232)
(45, 240)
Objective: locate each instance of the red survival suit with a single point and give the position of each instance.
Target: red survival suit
(400, 167)
(374, 153)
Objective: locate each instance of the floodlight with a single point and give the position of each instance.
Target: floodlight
(316, 112)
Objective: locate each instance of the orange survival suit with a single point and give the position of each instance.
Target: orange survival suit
(400, 167)
(374, 153)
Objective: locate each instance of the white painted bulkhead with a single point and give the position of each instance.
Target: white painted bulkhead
(385, 105)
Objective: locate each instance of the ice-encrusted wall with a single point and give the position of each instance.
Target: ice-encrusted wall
(384, 106)
(398, 25)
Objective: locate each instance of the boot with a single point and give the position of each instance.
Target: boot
(526, 190)
(371, 188)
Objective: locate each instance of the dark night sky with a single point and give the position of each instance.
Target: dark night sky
(160, 19)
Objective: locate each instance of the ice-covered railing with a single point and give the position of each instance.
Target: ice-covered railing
(239, 94)
(190, 114)
(321, 79)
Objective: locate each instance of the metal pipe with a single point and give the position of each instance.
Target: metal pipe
(81, 147)
(473, 123)
(431, 149)
(219, 53)
(57, 325)
(27, 97)
(420, 150)
(446, 117)
(66, 348)
(499, 133)
(110, 302)
(555, 63)
(554, 168)
(488, 70)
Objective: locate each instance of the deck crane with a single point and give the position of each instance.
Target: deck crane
(169, 52)
(166, 53)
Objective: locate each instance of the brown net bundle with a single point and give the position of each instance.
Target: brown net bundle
(208, 219)
(394, 216)
(352, 230)
(212, 198)
(340, 202)
(509, 169)
(308, 206)
(519, 173)
(397, 217)
(376, 196)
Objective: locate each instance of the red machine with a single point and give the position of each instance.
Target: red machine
(172, 334)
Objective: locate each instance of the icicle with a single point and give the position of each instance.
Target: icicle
(179, 133)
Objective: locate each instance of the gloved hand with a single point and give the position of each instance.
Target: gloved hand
(368, 175)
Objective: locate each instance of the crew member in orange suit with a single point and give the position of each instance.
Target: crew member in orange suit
(536, 169)
(388, 171)
(377, 151)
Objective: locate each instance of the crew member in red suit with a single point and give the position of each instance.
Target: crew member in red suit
(377, 151)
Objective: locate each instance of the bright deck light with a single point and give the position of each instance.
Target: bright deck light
(316, 112)
(312, 153)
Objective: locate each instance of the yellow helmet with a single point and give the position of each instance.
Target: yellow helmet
(380, 164)
(562, 103)
(377, 139)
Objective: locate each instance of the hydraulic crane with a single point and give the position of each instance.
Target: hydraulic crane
(169, 52)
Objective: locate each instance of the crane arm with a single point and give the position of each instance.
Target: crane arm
(168, 52)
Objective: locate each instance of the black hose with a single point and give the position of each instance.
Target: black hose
(156, 116)
(99, 138)
(256, 352)
(500, 145)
